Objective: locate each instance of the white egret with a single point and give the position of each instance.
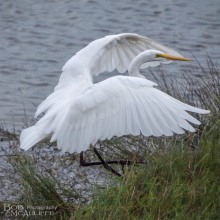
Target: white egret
(79, 113)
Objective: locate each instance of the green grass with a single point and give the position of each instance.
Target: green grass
(178, 184)
(40, 189)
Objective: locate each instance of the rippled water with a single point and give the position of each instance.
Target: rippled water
(38, 37)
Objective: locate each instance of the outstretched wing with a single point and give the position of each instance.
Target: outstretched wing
(120, 106)
(116, 52)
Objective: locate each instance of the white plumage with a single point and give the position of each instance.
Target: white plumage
(79, 113)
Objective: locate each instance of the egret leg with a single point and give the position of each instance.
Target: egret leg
(105, 163)
(86, 164)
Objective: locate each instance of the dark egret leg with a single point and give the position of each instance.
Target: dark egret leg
(105, 163)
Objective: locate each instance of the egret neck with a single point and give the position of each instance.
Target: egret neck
(134, 67)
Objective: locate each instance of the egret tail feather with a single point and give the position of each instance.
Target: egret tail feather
(31, 136)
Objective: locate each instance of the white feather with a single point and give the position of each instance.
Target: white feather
(137, 110)
(79, 113)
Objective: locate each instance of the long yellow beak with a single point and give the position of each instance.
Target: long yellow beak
(170, 57)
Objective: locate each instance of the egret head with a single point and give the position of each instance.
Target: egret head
(152, 58)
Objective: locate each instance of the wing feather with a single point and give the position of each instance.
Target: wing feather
(114, 52)
(118, 59)
(120, 106)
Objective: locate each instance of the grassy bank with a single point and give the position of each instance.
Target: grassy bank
(179, 184)
(180, 179)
